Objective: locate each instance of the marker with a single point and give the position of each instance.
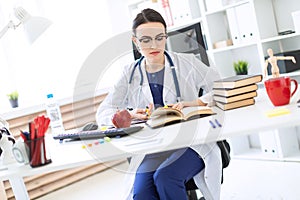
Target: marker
(147, 110)
(212, 124)
(218, 123)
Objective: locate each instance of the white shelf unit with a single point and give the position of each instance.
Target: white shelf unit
(252, 25)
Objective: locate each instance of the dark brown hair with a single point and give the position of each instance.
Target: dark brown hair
(147, 15)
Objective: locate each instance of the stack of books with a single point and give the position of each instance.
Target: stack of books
(236, 91)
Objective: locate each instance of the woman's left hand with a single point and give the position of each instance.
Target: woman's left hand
(178, 105)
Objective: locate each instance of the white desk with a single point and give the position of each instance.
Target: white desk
(234, 123)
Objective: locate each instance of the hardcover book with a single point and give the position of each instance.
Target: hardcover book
(235, 91)
(164, 116)
(237, 81)
(235, 97)
(236, 104)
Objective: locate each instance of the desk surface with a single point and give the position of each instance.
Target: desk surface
(235, 122)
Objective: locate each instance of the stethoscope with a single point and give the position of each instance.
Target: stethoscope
(138, 64)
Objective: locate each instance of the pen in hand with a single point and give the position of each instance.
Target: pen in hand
(148, 110)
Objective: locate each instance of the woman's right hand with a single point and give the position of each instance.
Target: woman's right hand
(141, 113)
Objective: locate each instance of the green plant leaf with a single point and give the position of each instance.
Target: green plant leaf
(14, 95)
(240, 67)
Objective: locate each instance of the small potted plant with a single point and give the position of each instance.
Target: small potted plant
(13, 99)
(241, 67)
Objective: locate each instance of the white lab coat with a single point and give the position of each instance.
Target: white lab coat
(192, 75)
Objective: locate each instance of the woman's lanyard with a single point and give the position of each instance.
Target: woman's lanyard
(138, 63)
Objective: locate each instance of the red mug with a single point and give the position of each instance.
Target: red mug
(279, 90)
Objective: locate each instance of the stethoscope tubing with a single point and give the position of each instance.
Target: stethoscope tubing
(138, 64)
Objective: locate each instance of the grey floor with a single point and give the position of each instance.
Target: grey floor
(243, 180)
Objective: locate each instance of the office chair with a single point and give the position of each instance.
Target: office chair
(191, 188)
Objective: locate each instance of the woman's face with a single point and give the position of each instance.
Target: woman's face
(150, 39)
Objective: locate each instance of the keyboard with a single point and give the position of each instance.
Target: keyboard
(97, 134)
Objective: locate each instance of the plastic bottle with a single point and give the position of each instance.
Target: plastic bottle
(53, 112)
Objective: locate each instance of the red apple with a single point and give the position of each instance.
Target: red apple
(121, 119)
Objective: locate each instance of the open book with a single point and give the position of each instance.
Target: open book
(164, 116)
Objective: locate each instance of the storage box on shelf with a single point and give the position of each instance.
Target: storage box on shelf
(296, 20)
(278, 144)
(184, 11)
(241, 20)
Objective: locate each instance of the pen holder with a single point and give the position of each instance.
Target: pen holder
(37, 152)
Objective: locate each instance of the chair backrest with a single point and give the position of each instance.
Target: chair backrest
(225, 152)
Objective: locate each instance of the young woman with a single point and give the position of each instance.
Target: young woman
(151, 81)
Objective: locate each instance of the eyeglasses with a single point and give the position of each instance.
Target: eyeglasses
(147, 41)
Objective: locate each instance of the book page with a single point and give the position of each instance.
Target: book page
(163, 120)
(166, 116)
(161, 111)
(195, 111)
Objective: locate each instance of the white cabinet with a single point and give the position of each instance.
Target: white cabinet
(279, 144)
(184, 11)
(242, 25)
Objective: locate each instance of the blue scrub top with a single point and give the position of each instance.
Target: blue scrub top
(156, 81)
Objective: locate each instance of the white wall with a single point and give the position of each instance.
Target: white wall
(52, 63)
(284, 22)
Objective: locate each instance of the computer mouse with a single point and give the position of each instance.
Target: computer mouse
(90, 126)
